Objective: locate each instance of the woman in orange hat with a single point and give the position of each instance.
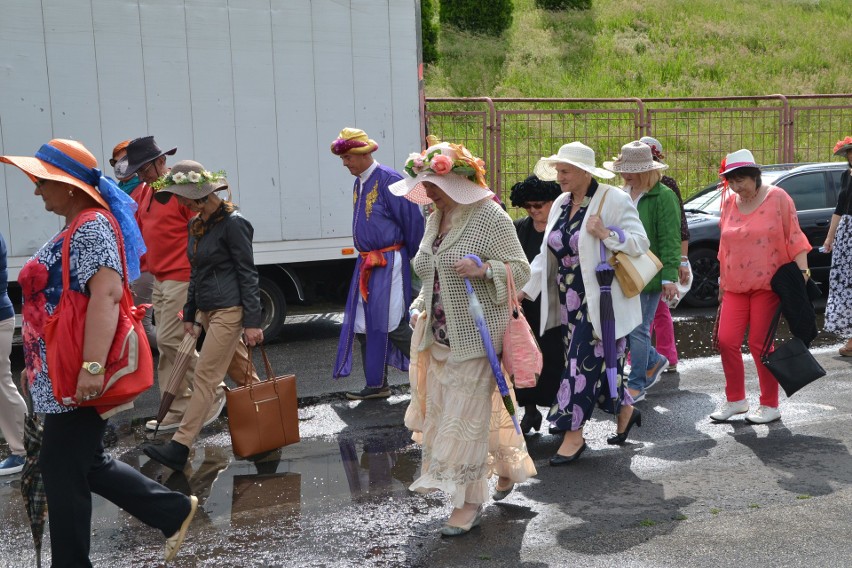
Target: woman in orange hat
(72, 458)
(838, 309)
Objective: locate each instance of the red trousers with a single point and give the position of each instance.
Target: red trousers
(753, 310)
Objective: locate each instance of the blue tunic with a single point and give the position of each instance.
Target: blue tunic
(380, 220)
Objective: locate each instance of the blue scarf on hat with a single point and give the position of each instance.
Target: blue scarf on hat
(120, 204)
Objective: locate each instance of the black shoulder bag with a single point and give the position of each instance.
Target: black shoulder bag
(791, 363)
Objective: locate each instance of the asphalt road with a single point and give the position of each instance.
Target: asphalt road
(684, 492)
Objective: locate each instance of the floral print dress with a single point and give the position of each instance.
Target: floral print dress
(93, 246)
(584, 384)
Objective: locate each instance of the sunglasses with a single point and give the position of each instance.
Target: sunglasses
(537, 205)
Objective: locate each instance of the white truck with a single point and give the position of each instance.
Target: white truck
(258, 88)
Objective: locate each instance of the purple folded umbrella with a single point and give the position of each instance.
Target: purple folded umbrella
(475, 309)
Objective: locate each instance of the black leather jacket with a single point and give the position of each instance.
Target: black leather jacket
(223, 272)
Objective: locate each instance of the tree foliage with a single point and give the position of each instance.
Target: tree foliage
(564, 4)
(490, 18)
(429, 31)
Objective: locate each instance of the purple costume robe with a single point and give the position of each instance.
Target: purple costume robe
(381, 220)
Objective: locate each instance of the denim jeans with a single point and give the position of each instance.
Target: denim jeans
(643, 356)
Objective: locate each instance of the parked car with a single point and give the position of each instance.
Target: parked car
(814, 189)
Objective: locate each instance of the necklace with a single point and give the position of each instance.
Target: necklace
(747, 200)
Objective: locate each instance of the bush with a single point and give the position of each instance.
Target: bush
(564, 4)
(491, 18)
(429, 31)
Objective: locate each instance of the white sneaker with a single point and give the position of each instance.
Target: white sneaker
(730, 409)
(763, 415)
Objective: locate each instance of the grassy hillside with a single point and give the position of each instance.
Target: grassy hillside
(647, 48)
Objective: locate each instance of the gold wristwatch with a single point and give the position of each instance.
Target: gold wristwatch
(806, 272)
(94, 368)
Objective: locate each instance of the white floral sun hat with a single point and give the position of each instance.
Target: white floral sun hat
(575, 153)
(452, 167)
(635, 158)
(188, 179)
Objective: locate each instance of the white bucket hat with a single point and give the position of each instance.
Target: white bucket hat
(575, 153)
(635, 158)
(739, 159)
(452, 167)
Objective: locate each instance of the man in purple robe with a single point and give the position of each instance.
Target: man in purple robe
(387, 230)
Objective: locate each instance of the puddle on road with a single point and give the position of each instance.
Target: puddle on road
(297, 492)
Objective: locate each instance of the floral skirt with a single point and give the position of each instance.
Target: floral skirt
(458, 417)
(838, 308)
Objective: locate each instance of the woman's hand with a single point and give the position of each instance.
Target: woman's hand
(828, 245)
(414, 316)
(192, 329)
(669, 291)
(88, 386)
(596, 228)
(253, 336)
(467, 268)
(683, 274)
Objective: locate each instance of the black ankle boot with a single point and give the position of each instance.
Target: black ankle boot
(172, 455)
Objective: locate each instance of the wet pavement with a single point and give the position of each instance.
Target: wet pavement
(683, 492)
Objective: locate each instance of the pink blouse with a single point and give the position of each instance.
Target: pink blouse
(752, 247)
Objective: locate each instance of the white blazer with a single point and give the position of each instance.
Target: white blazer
(618, 211)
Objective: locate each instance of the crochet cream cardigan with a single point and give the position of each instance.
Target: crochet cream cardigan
(483, 229)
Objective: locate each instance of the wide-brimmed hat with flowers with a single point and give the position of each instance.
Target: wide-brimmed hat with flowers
(735, 160)
(188, 179)
(843, 146)
(452, 167)
(353, 141)
(574, 153)
(635, 158)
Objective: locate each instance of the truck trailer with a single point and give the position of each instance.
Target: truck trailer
(258, 88)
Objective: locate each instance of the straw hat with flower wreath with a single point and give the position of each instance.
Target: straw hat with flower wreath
(843, 146)
(188, 179)
(452, 167)
(635, 158)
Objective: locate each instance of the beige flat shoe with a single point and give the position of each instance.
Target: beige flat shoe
(173, 542)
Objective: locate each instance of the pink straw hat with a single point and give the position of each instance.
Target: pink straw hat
(451, 167)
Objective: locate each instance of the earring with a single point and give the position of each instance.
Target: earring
(70, 193)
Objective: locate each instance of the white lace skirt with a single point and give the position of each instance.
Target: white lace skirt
(458, 417)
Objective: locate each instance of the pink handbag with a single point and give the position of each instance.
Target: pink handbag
(521, 353)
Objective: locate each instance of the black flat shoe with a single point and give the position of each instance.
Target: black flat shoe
(172, 455)
(530, 421)
(559, 459)
(554, 431)
(619, 439)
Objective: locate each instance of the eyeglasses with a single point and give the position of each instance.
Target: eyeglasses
(146, 167)
(40, 182)
(534, 205)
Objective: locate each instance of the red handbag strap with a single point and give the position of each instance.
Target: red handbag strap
(83, 217)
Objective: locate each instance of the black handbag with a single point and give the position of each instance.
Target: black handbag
(791, 363)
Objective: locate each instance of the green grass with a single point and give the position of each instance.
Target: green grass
(653, 48)
(647, 49)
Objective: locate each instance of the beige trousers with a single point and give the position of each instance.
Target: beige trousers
(169, 297)
(13, 409)
(223, 352)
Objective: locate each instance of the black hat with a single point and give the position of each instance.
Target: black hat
(533, 189)
(140, 151)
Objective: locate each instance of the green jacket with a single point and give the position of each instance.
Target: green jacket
(659, 211)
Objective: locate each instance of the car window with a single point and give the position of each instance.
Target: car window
(835, 178)
(807, 190)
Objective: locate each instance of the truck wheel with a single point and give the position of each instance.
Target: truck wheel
(705, 279)
(273, 308)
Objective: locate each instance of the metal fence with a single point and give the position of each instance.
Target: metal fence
(696, 133)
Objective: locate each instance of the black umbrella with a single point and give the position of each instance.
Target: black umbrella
(32, 484)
